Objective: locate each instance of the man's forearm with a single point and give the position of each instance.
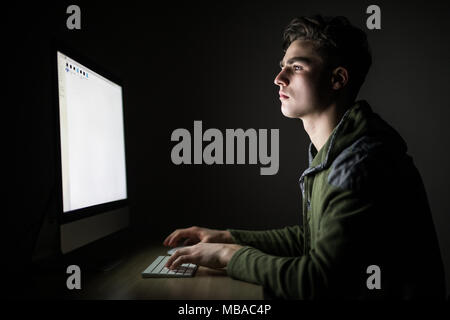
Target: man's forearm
(282, 242)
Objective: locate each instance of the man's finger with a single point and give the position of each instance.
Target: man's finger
(172, 258)
(173, 237)
(175, 255)
(169, 237)
(177, 235)
(180, 260)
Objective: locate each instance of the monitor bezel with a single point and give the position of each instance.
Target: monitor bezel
(78, 214)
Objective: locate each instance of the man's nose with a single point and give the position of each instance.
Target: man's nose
(281, 79)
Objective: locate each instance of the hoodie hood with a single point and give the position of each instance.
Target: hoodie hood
(358, 121)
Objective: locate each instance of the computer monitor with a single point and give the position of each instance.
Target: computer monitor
(92, 177)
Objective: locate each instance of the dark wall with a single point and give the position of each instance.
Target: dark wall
(216, 63)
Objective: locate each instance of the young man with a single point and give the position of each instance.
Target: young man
(365, 209)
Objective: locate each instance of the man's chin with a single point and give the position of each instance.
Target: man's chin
(288, 113)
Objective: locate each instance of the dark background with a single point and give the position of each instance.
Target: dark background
(215, 63)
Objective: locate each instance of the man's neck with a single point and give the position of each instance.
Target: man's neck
(319, 125)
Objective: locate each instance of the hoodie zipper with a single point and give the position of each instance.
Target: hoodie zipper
(305, 209)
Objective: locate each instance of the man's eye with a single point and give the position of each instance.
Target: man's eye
(297, 68)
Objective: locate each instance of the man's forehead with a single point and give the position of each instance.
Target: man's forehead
(302, 48)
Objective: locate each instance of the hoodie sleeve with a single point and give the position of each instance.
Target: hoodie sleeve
(287, 241)
(331, 266)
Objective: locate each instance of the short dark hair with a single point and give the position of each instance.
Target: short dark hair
(338, 41)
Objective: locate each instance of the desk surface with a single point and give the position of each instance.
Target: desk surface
(125, 282)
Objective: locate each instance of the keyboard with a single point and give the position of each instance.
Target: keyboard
(157, 269)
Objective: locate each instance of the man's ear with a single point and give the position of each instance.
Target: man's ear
(339, 78)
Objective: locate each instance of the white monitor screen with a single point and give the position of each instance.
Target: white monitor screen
(92, 136)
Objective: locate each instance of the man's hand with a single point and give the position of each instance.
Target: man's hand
(195, 235)
(212, 255)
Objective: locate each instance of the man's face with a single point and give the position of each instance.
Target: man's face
(305, 83)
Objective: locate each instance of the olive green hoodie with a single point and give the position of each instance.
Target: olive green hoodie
(364, 204)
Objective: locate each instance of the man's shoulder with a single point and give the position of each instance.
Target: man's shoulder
(359, 165)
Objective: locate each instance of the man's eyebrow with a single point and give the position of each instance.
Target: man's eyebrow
(304, 60)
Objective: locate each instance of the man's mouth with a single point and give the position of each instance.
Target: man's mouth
(283, 96)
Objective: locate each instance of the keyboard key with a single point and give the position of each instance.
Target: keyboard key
(154, 264)
(160, 266)
(164, 270)
(157, 269)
